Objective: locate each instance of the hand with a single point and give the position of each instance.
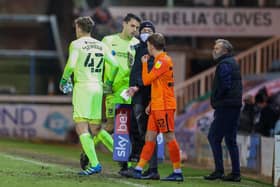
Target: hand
(62, 84)
(148, 109)
(132, 90)
(66, 86)
(145, 58)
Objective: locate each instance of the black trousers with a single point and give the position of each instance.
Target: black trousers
(225, 124)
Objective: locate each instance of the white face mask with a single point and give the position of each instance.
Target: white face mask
(144, 36)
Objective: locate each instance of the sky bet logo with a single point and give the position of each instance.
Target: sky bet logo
(121, 137)
(121, 124)
(122, 147)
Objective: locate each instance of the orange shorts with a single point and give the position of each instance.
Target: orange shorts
(161, 121)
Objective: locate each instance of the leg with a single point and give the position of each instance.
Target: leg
(153, 163)
(141, 125)
(150, 141)
(136, 140)
(230, 138)
(147, 150)
(103, 136)
(109, 125)
(86, 141)
(152, 171)
(167, 128)
(174, 150)
(142, 120)
(215, 137)
(83, 100)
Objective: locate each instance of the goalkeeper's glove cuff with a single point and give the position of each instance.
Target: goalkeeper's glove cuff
(63, 81)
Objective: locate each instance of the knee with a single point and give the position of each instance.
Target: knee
(211, 138)
(170, 136)
(95, 130)
(109, 126)
(81, 128)
(150, 137)
(230, 142)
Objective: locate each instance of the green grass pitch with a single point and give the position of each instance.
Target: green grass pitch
(25, 164)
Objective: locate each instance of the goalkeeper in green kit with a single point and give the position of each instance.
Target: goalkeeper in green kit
(87, 59)
(122, 46)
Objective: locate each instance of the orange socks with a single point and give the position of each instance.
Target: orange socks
(146, 153)
(174, 152)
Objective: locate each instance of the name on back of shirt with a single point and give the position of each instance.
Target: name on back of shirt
(90, 45)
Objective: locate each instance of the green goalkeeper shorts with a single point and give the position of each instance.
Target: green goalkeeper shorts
(87, 102)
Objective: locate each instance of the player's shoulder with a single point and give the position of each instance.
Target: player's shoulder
(78, 42)
(74, 43)
(163, 60)
(87, 41)
(164, 57)
(134, 41)
(110, 37)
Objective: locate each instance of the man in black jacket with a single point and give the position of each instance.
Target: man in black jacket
(140, 100)
(226, 99)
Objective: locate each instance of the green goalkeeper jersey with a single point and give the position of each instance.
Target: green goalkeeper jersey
(86, 59)
(124, 52)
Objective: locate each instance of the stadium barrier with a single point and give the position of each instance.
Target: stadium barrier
(37, 117)
(256, 60)
(256, 153)
(277, 161)
(50, 118)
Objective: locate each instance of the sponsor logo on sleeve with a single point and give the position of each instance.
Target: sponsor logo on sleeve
(158, 64)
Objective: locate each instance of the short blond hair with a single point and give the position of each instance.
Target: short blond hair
(85, 23)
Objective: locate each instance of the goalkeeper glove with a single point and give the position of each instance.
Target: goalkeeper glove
(65, 86)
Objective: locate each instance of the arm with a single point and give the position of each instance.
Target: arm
(158, 69)
(71, 62)
(225, 77)
(70, 65)
(139, 80)
(111, 65)
(134, 73)
(114, 67)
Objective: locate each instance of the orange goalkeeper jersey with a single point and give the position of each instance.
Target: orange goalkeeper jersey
(162, 82)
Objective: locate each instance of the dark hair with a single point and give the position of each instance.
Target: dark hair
(130, 16)
(85, 23)
(157, 40)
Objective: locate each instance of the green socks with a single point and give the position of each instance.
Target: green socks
(105, 138)
(89, 145)
(96, 140)
(89, 149)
